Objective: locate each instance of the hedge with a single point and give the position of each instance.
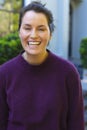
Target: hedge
(83, 52)
(10, 47)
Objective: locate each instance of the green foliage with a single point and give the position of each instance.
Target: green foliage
(83, 52)
(14, 4)
(9, 16)
(10, 46)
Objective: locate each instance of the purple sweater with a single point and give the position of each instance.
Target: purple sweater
(42, 97)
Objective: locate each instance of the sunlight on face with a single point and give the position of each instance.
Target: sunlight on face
(34, 33)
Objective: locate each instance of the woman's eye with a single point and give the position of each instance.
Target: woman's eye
(27, 28)
(41, 29)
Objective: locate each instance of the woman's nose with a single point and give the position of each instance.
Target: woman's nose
(33, 34)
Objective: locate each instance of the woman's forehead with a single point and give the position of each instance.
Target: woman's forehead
(34, 17)
(32, 14)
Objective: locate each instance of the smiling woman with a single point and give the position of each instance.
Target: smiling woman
(39, 90)
(35, 34)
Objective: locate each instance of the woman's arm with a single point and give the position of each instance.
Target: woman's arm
(75, 97)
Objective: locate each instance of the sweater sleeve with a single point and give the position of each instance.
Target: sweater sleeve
(75, 97)
(3, 105)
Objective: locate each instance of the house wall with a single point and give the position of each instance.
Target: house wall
(26, 2)
(79, 29)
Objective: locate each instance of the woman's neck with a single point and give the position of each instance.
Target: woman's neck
(35, 59)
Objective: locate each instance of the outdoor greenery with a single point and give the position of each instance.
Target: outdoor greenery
(83, 52)
(10, 46)
(9, 16)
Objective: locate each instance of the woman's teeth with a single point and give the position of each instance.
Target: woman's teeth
(34, 43)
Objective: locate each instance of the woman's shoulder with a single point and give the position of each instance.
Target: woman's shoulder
(10, 64)
(63, 64)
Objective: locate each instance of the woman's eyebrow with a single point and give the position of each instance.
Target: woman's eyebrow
(41, 26)
(29, 25)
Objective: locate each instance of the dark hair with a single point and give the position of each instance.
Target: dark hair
(39, 8)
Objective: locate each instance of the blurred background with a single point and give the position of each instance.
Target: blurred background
(9, 12)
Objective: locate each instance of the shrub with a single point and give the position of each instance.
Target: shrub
(83, 52)
(10, 46)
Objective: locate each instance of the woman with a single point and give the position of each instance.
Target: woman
(39, 90)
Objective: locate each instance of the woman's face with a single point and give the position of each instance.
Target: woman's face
(34, 33)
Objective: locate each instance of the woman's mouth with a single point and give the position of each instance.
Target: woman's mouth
(34, 42)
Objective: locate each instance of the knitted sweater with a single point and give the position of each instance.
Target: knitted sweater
(40, 97)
